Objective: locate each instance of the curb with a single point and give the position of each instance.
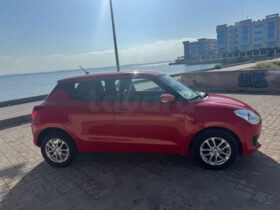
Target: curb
(22, 100)
(15, 121)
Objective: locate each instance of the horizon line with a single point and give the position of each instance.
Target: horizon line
(63, 70)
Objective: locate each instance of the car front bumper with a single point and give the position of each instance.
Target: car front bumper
(249, 139)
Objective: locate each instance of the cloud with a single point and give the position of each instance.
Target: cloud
(153, 52)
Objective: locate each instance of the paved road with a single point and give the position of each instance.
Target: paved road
(141, 181)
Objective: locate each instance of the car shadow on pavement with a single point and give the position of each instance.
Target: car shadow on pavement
(11, 171)
(146, 181)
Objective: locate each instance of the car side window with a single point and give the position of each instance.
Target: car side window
(110, 90)
(144, 84)
(139, 90)
(126, 89)
(92, 90)
(79, 91)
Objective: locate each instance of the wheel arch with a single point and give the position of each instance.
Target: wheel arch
(221, 129)
(46, 131)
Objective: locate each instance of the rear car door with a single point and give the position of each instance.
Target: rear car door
(90, 119)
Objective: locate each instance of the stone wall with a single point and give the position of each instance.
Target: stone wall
(249, 81)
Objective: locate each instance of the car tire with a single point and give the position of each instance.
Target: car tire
(58, 149)
(214, 149)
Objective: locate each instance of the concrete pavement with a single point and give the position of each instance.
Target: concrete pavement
(242, 66)
(141, 181)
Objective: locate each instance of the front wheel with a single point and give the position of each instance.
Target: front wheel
(215, 149)
(58, 149)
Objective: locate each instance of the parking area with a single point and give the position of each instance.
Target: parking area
(142, 181)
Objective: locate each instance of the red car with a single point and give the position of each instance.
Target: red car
(142, 112)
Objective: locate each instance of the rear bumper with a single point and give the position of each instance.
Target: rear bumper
(35, 133)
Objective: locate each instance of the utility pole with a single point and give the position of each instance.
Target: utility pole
(114, 37)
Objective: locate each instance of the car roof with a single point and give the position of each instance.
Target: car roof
(110, 75)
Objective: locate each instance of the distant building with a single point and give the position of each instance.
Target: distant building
(201, 48)
(249, 35)
(240, 42)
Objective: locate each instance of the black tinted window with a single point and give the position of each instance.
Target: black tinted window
(127, 89)
(94, 90)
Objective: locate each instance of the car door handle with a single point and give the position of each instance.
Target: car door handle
(123, 110)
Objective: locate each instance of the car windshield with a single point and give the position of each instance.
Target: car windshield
(181, 89)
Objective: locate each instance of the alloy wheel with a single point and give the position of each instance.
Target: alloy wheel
(215, 151)
(57, 150)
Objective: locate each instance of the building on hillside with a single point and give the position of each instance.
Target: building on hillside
(248, 35)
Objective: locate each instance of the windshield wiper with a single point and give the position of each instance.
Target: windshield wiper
(205, 94)
(199, 95)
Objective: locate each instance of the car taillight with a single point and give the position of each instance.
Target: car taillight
(34, 112)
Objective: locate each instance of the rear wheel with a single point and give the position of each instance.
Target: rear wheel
(215, 149)
(58, 149)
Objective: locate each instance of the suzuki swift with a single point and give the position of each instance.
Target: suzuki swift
(142, 112)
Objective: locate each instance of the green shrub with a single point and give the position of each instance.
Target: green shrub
(217, 66)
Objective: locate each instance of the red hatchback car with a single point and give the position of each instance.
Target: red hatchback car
(142, 112)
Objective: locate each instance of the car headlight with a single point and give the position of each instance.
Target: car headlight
(248, 115)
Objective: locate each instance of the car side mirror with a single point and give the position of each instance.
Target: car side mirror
(167, 98)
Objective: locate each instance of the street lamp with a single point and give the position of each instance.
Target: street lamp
(114, 37)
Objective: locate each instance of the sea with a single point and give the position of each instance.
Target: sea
(16, 86)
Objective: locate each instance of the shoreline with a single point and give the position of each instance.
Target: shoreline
(78, 69)
(229, 67)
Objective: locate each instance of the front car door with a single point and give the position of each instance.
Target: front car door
(143, 123)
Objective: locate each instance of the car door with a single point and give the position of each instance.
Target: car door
(143, 123)
(91, 120)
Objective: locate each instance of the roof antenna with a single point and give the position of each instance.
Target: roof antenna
(86, 72)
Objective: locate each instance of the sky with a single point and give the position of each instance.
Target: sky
(51, 35)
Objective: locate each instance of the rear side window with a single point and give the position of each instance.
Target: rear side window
(75, 91)
(86, 90)
(93, 90)
(79, 91)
